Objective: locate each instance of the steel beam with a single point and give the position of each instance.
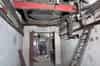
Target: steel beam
(43, 6)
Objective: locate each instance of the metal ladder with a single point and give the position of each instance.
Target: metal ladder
(78, 54)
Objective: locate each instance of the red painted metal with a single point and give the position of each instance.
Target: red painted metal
(31, 5)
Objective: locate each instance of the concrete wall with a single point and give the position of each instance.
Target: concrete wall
(10, 42)
(28, 29)
(92, 53)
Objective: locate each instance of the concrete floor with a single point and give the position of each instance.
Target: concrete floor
(42, 61)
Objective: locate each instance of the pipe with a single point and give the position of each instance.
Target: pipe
(87, 26)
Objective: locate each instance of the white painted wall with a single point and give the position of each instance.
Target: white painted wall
(28, 29)
(10, 42)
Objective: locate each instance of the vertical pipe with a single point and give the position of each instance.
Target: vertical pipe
(53, 47)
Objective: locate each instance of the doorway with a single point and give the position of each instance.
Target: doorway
(42, 49)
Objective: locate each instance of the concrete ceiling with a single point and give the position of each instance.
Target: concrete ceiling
(42, 17)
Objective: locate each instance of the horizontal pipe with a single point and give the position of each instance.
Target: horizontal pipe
(87, 26)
